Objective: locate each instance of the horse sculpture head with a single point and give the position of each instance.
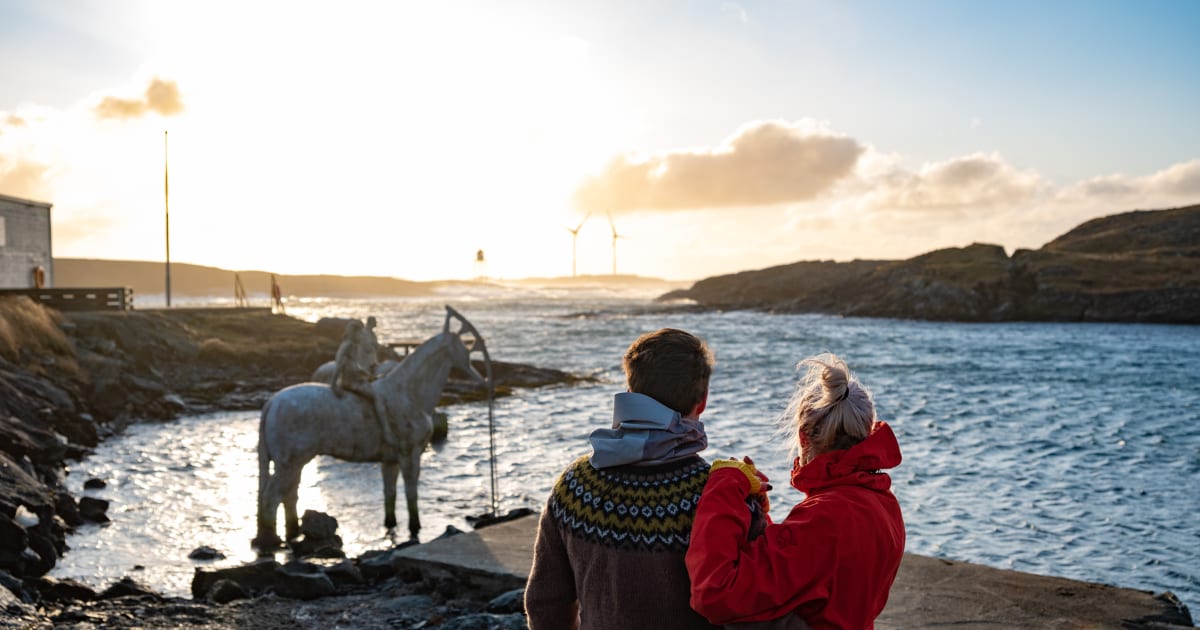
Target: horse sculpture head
(460, 353)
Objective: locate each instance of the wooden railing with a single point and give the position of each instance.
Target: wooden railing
(82, 299)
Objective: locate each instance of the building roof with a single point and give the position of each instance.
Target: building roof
(26, 202)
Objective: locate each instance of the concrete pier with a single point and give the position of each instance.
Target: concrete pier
(929, 592)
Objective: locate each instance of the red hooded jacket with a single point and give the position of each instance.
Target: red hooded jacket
(831, 561)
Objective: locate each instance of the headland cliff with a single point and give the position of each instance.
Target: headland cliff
(1141, 266)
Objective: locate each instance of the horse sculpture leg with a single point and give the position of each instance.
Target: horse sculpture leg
(410, 467)
(390, 471)
(286, 483)
(268, 505)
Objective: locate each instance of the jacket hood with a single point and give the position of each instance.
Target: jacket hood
(858, 465)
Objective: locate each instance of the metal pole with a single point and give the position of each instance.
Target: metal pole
(167, 212)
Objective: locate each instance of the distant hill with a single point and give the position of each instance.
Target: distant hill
(591, 281)
(148, 278)
(1141, 266)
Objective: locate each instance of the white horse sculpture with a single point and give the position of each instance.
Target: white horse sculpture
(306, 420)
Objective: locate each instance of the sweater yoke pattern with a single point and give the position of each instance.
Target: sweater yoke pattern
(629, 508)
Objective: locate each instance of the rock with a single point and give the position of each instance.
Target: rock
(295, 580)
(127, 587)
(205, 553)
(486, 621)
(376, 565)
(26, 518)
(67, 509)
(93, 509)
(344, 573)
(225, 591)
(254, 577)
(13, 537)
(306, 547)
(15, 586)
(508, 603)
(484, 520)
(314, 524)
(42, 554)
(12, 609)
(302, 580)
(409, 602)
(173, 403)
(64, 590)
(450, 532)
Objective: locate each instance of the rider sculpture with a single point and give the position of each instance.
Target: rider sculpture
(355, 369)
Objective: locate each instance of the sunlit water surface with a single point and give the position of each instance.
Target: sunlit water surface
(1060, 449)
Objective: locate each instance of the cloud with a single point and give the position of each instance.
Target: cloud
(1178, 181)
(736, 10)
(763, 163)
(972, 181)
(161, 97)
(23, 178)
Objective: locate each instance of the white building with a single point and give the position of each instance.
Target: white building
(25, 255)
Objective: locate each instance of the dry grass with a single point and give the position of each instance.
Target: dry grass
(29, 332)
(215, 350)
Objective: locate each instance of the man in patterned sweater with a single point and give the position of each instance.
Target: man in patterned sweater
(611, 541)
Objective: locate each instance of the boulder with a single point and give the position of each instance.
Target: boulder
(376, 565)
(253, 577)
(314, 524)
(94, 484)
(127, 587)
(225, 591)
(344, 573)
(64, 590)
(13, 537)
(302, 580)
(306, 547)
(67, 509)
(15, 610)
(295, 580)
(93, 510)
(15, 586)
(451, 531)
(205, 553)
(508, 603)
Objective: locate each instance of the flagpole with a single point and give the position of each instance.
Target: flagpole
(167, 212)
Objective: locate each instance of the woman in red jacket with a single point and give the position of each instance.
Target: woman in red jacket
(832, 561)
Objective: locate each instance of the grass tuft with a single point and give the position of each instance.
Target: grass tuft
(31, 333)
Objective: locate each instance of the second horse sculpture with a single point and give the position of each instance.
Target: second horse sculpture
(306, 420)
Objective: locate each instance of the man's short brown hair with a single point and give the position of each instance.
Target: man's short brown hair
(670, 366)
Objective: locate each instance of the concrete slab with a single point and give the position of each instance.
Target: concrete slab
(487, 561)
(928, 592)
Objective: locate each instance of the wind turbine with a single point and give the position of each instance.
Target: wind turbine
(615, 236)
(574, 238)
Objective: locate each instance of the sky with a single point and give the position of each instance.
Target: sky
(399, 138)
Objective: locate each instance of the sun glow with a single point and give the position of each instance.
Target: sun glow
(379, 139)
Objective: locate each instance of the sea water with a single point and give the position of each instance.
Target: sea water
(1058, 449)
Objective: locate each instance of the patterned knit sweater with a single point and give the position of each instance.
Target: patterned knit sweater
(610, 548)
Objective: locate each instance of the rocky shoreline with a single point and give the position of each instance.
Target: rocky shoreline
(1141, 266)
(67, 381)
